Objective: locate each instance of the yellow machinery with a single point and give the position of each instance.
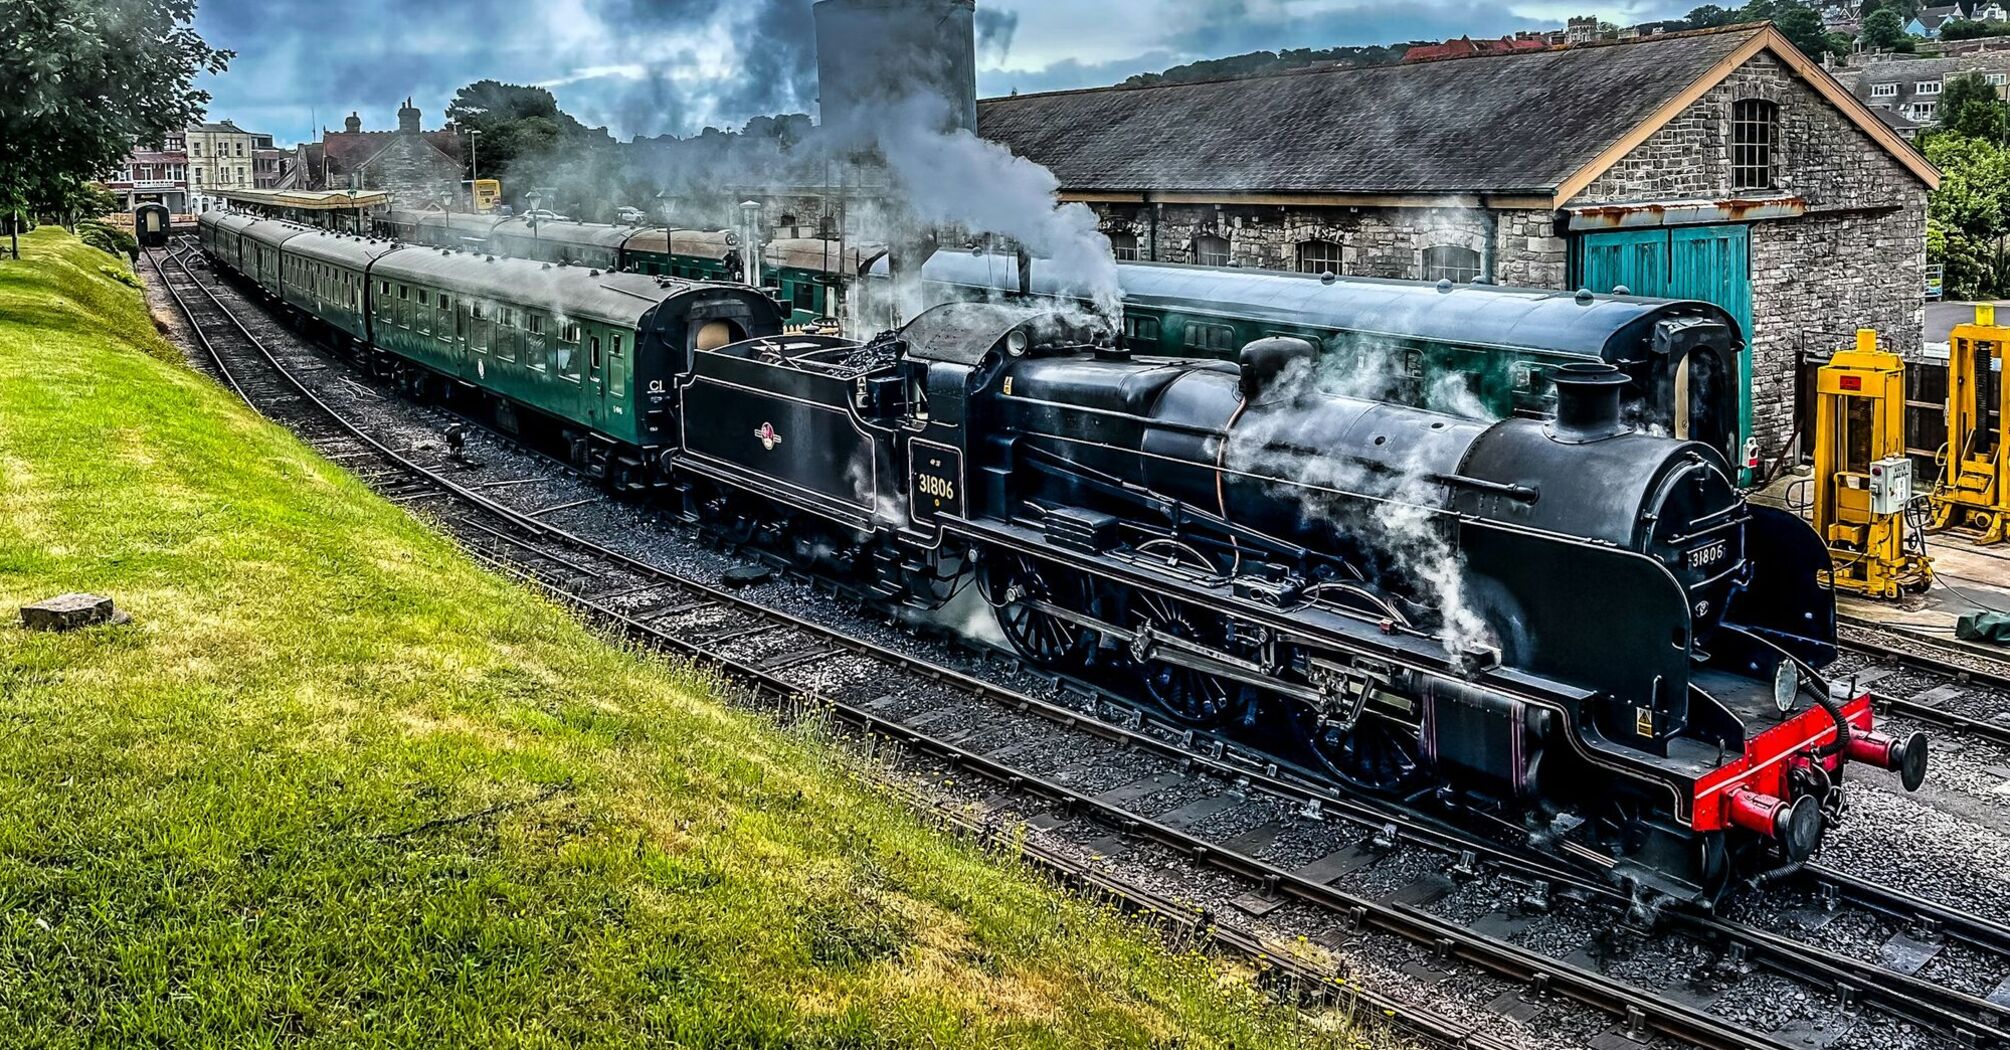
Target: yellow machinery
(1863, 480)
(1973, 493)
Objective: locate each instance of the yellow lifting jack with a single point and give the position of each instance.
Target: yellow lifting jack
(1973, 493)
(1863, 480)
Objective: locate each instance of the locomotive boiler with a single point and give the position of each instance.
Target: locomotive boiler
(1563, 622)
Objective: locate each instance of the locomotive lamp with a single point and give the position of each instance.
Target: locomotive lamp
(1786, 685)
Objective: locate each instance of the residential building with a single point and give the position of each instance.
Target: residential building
(151, 175)
(219, 158)
(1928, 21)
(1466, 45)
(1911, 87)
(415, 165)
(1721, 165)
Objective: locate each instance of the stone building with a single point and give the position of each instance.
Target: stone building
(417, 166)
(1720, 165)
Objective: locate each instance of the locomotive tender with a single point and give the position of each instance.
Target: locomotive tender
(1564, 624)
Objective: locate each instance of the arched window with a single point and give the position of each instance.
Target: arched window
(1755, 134)
(1124, 245)
(788, 219)
(1319, 257)
(1449, 262)
(1210, 250)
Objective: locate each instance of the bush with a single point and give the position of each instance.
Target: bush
(123, 241)
(100, 238)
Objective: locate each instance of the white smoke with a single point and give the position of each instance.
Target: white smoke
(1391, 507)
(955, 179)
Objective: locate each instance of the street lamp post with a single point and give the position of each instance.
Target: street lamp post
(474, 165)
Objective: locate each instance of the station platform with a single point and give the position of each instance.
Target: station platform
(1967, 579)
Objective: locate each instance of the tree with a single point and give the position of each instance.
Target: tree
(1969, 106)
(1966, 29)
(1710, 16)
(1803, 26)
(1882, 30)
(1969, 215)
(87, 79)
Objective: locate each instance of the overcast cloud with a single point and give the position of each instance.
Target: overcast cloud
(646, 67)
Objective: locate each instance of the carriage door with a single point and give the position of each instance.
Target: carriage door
(596, 380)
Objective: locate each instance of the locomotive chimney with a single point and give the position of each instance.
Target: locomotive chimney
(1587, 403)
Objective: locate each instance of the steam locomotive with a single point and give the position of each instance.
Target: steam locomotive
(1562, 625)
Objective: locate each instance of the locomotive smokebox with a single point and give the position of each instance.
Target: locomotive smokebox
(1587, 403)
(877, 54)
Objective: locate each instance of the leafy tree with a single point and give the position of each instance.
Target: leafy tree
(1969, 215)
(1969, 106)
(1802, 25)
(86, 79)
(1710, 16)
(515, 121)
(1966, 29)
(1882, 30)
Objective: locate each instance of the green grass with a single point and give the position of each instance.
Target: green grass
(337, 787)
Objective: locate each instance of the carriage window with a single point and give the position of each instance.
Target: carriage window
(1209, 250)
(568, 358)
(1209, 338)
(569, 334)
(1124, 245)
(537, 324)
(1138, 329)
(1319, 257)
(616, 367)
(1449, 262)
(806, 296)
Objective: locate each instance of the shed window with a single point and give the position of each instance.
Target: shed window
(1209, 250)
(1449, 262)
(1209, 338)
(1755, 131)
(1319, 257)
(1124, 245)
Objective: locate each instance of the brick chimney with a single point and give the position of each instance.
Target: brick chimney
(353, 124)
(408, 119)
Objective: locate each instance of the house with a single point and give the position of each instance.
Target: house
(1465, 45)
(1717, 164)
(1929, 20)
(417, 166)
(1911, 87)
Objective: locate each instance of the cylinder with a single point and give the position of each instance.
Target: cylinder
(873, 55)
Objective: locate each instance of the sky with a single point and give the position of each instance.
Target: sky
(648, 67)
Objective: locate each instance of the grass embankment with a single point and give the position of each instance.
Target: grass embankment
(336, 786)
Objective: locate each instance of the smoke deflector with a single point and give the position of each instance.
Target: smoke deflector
(1587, 403)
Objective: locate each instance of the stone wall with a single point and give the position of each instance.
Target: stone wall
(1856, 259)
(414, 170)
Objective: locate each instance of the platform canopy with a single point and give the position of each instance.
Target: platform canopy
(309, 200)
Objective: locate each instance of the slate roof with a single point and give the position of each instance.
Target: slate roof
(1511, 123)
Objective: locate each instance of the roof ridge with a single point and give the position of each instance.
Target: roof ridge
(1328, 70)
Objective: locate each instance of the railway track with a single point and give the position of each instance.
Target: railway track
(1359, 880)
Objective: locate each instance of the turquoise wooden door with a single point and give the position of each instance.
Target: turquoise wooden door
(1636, 260)
(1710, 263)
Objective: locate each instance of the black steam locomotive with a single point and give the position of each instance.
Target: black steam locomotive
(1560, 622)
(1565, 621)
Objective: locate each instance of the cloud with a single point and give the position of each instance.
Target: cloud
(645, 67)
